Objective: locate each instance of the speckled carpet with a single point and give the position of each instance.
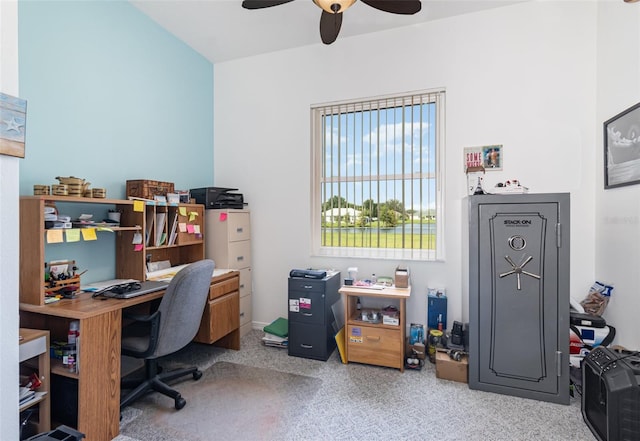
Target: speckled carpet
(313, 400)
(230, 401)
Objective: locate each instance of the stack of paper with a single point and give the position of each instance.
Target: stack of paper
(276, 333)
(275, 341)
(26, 394)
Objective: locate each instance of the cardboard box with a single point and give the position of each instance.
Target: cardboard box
(448, 369)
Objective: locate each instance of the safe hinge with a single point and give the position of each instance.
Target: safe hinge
(559, 363)
(559, 235)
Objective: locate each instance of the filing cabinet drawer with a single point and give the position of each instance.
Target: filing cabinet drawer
(245, 310)
(245, 282)
(307, 307)
(299, 284)
(221, 288)
(374, 345)
(220, 317)
(310, 341)
(239, 226)
(240, 254)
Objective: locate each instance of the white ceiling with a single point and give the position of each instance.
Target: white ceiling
(223, 30)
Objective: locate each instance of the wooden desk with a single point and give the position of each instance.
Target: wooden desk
(98, 356)
(375, 343)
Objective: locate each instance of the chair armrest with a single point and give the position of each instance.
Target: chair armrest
(153, 322)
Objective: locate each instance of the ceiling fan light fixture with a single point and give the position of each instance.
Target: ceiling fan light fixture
(334, 6)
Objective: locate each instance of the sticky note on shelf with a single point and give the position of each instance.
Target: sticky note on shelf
(54, 236)
(183, 211)
(72, 235)
(89, 233)
(223, 217)
(138, 205)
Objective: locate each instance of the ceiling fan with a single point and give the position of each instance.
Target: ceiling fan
(331, 18)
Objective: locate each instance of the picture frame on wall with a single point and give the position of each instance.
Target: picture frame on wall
(13, 115)
(622, 148)
(489, 157)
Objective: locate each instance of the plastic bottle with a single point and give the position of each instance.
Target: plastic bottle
(374, 279)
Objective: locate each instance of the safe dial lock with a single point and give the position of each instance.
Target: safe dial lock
(517, 270)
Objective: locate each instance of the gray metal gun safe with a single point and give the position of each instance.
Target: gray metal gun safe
(519, 295)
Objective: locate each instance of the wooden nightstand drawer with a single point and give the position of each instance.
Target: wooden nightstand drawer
(374, 345)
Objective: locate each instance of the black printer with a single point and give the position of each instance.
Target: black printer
(217, 197)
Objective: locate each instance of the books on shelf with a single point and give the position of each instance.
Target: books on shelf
(161, 236)
(174, 230)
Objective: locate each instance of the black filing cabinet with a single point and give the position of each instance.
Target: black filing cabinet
(312, 325)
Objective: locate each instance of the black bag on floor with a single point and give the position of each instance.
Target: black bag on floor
(583, 319)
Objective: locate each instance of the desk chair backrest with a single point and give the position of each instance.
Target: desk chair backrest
(182, 306)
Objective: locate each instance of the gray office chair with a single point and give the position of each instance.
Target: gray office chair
(170, 328)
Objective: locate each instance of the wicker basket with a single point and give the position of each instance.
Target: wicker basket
(146, 189)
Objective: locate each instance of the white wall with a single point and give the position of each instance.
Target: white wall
(617, 211)
(522, 76)
(8, 237)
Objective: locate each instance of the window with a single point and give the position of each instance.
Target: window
(376, 177)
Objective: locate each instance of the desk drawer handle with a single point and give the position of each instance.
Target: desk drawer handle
(308, 286)
(240, 258)
(306, 346)
(307, 314)
(242, 314)
(239, 230)
(377, 338)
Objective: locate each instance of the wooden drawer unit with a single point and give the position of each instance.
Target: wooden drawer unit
(220, 322)
(375, 345)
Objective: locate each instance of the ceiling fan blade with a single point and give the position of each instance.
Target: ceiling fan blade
(259, 4)
(330, 26)
(407, 7)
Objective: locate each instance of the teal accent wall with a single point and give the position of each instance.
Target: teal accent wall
(111, 96)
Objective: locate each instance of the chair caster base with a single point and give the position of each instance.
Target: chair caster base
(180, 402)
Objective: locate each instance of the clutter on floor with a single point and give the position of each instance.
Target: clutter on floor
(276, 333)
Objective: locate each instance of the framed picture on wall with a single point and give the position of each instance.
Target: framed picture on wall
(13, 114)
(622, 148)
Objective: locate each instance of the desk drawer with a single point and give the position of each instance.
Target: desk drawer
(220, 317)
(225, 287)
(374, 345)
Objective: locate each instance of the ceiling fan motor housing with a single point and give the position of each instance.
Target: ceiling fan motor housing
(334, 6)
